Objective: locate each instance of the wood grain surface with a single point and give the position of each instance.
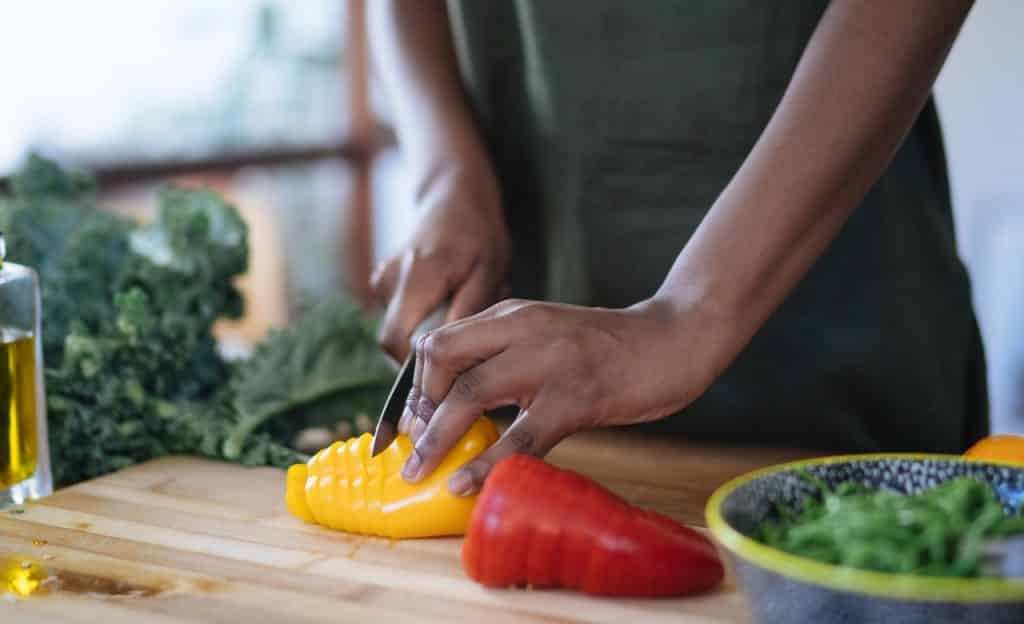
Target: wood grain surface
(182, 539)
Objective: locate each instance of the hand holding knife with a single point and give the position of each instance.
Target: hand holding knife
(387, 423)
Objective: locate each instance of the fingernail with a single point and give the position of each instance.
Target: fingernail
(411, 470)
(461, 483)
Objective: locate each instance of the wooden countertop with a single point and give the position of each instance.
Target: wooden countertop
(182, 539)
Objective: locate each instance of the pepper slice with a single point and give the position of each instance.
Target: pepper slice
(343, 488)
(542, 526)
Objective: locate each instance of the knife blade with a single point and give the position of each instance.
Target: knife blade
(387, 423)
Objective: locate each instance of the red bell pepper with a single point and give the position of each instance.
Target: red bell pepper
(541, 526)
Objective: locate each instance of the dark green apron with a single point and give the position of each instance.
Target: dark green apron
(614, 125)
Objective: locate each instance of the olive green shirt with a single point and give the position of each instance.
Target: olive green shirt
(614, 125)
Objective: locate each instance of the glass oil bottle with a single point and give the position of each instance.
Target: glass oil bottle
(24, 449)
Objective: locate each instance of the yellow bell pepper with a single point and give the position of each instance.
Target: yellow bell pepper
(343, 488)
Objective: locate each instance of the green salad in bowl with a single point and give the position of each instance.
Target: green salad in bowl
(941, 531)
(865, 538)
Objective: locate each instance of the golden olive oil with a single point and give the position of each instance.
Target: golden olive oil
(21, 577)
(19, 445)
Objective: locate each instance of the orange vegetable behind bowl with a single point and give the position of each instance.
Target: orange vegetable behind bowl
(1005, 447)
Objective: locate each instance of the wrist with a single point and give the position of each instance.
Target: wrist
(695, 337)
(456, 172)
(470, 189)
(686, 309)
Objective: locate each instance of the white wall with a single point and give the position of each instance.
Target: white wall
(980, 96)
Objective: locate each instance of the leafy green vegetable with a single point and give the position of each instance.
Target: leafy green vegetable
(938, 532)
(330, 352)
(50, 226)
(132, 367)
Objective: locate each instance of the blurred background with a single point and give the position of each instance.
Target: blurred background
(274, 104)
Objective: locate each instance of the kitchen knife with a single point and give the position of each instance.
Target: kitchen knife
(387, 423)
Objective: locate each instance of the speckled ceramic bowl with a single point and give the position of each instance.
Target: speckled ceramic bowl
(781, 587)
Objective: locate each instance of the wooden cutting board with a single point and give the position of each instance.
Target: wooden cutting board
(181, 539)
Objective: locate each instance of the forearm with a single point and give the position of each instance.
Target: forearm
(412, 44)
(863, 78)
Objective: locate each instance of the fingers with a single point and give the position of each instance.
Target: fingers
(501, 380)
(409, 413)
(475, 294)
(418, 291)
(419, 405)
(384, 280)
(533, 433)
(443, 354)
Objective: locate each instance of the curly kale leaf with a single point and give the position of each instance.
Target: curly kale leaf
(81, 287)
(77, 251)
(188, 258)
(39, 176)
(145, 343)
(132, 367)
(47, 207)
(124, 426)
(326, 366)
(107, 399)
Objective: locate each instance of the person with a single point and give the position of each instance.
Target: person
(727, 221)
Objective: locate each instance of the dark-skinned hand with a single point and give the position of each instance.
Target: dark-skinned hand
(566, 367)
(459, 251)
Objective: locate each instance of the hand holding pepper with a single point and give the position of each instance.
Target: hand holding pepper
(566, 367)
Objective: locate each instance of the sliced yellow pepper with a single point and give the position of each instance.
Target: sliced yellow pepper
(343, 488)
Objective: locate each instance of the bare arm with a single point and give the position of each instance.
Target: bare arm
(864, 77)
(412, 44)
(460, 249)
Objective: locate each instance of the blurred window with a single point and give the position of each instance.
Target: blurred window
(113, 81)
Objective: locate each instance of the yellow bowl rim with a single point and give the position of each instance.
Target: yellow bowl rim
(866, 582)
